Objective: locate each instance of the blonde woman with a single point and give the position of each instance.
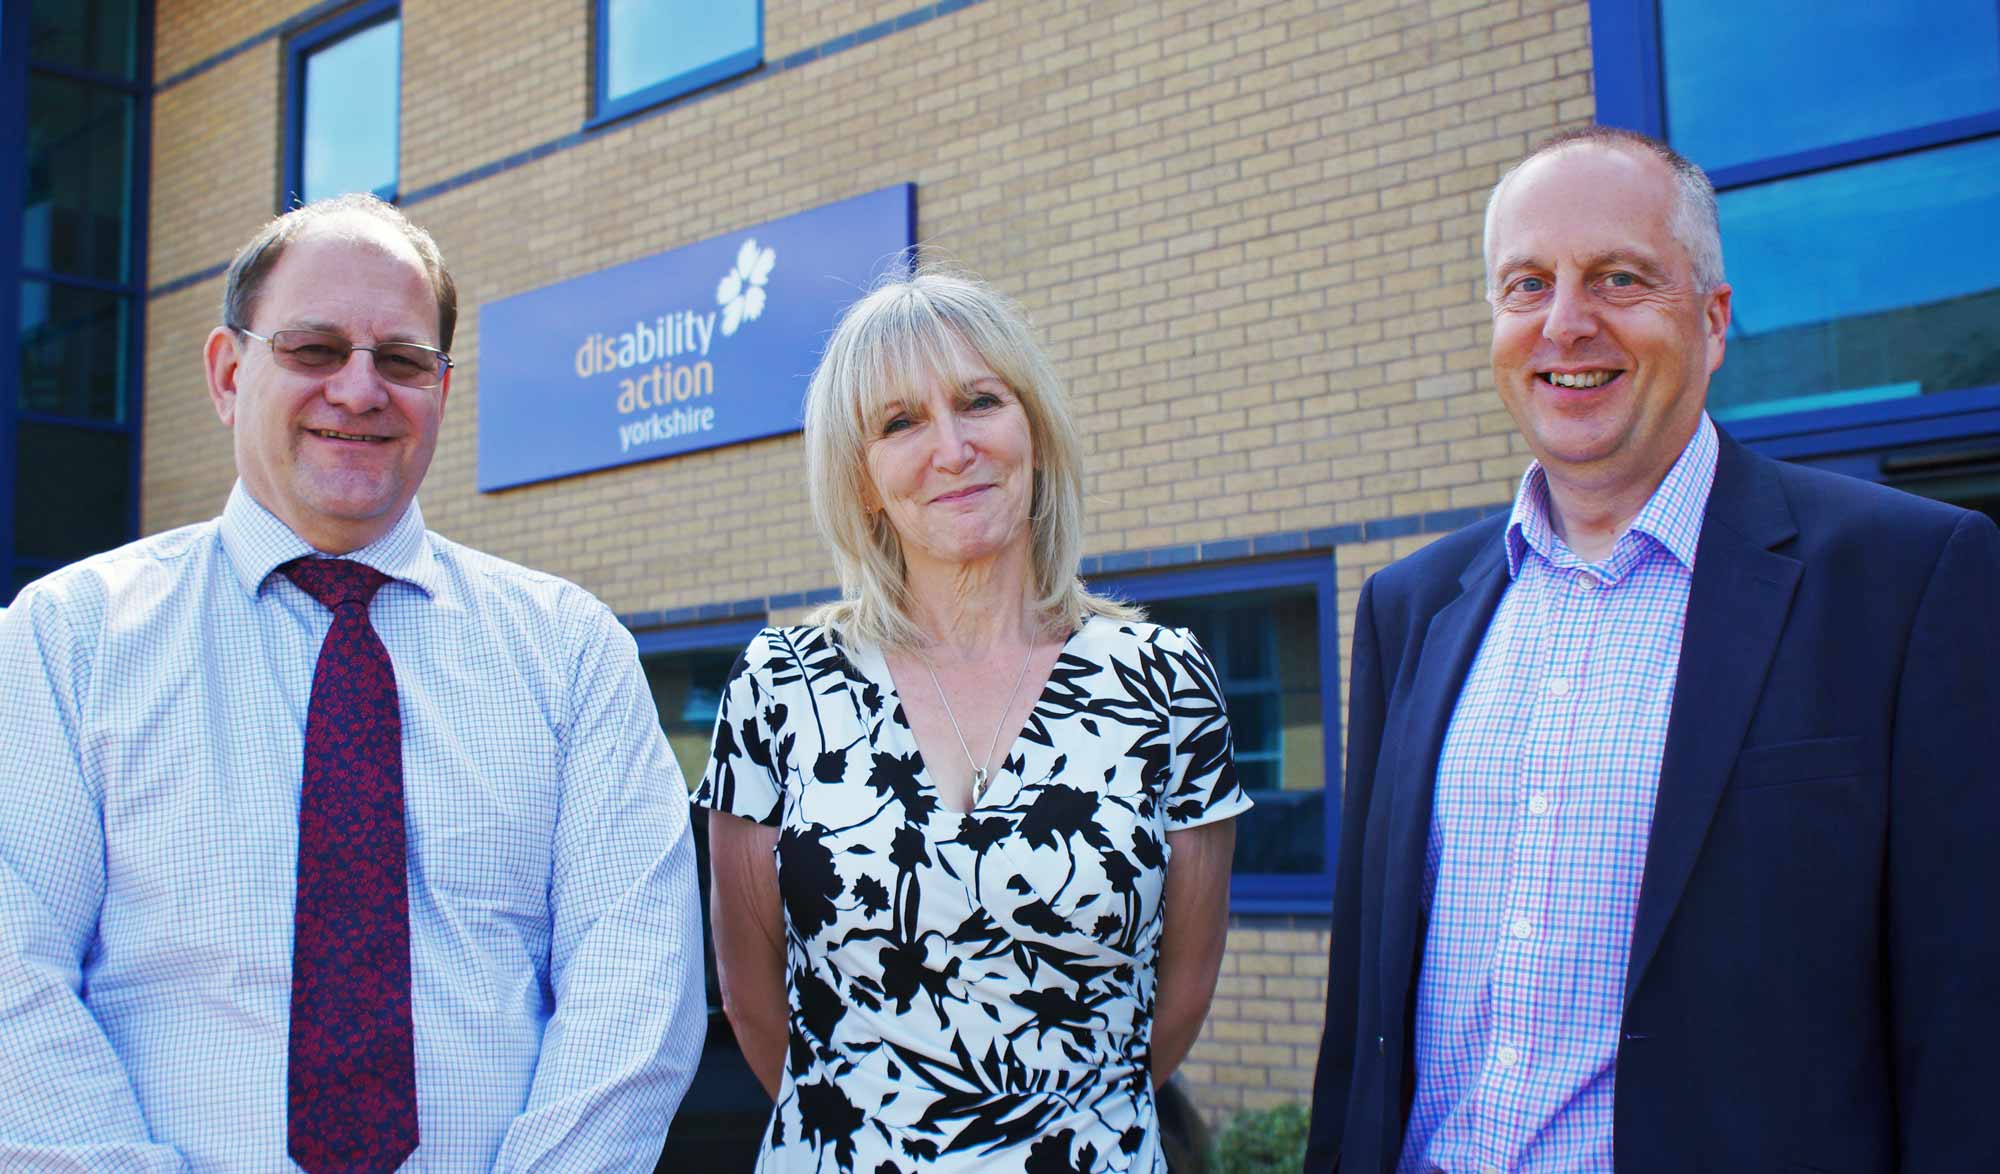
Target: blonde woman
(972, 825)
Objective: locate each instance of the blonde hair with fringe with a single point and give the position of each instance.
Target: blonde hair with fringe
(905, 335)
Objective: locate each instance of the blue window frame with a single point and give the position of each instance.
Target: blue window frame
(344, 105)
(1272, 630)
(75, 86)
(649, 51)
(1856, 203)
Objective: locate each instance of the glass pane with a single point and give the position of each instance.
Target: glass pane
(1256, 774)
(1867, 282)
(1254, 726)
(1760, 78)
(79, 187)
(101, 35)
(1267, 645)
(21, 577)
(652, 41)
(1972, 485)
(352, 95)
(73, 349)
(71, 491)
(687, 689)
(1285, 833)
(1251, 648)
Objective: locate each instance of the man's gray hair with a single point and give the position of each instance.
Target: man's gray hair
(1694, 222)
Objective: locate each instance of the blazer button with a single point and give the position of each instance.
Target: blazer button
(1381, 1045)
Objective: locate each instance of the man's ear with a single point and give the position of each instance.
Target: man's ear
(220, 356)
(1718, 325)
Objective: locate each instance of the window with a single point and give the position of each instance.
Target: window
(74, 80)
(651, 50)
(686, 670)
(1270, 630)
(1856, 156)
(346, 97)
(726, 1111)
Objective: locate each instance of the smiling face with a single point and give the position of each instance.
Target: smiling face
(1602, 342)
(952, 468)
(336, 456)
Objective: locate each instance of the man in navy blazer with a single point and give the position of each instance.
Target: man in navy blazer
(1672, 825)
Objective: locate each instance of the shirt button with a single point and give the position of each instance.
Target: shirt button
(1506, 1056)
(1538, 804)
(1522, 928)
(1558, 686)
(1587, 581)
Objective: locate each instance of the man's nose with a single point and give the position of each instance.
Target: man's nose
(357, 386)
(1571, 315)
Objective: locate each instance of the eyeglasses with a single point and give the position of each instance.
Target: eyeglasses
(316, 352)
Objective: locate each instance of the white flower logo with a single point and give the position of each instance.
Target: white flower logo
(741, 292)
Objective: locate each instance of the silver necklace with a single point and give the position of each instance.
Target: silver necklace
(979, 775)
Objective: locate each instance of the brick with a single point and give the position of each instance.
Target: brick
(1250, 240)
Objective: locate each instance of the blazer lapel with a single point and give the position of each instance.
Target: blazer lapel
(1737, 603)
(1450, 643)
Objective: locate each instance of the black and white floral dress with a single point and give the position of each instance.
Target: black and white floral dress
(971, 991)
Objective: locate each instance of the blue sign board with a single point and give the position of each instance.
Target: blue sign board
(703, 346)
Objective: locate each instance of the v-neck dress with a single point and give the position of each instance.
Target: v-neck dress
(971, 991)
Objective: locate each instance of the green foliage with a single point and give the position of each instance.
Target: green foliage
(1263, 1141)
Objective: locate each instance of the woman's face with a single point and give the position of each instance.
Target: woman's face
(954, 471)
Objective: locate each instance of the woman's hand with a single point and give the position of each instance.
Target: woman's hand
(748, 921)
(1191, 940)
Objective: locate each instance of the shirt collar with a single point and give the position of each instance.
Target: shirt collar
(258, 543)
(1671, 517)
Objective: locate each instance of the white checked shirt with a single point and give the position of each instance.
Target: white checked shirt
(152, 712)
(1543, 808)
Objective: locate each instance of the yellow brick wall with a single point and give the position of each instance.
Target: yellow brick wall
(216, 154)
(1262, 1037)
(188, 32)
(1249, 232)
(483, 81)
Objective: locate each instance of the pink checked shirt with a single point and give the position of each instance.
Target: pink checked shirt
(1538, 837)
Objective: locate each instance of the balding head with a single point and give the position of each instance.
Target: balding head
(1693, 223)
(357, 217)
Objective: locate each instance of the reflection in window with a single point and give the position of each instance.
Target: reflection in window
(351, 97)
(101, 36)
(687, 689)
(76, 216)
(72, 492)
(1903, 304)
(1266, 649)
(68, 360)
(652, 50)
(1818, 76)
(73, 346)
(1855, 207)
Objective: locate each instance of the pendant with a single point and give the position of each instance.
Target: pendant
(978, 783)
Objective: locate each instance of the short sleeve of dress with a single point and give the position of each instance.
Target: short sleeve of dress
(743, 776)
(1203, 786)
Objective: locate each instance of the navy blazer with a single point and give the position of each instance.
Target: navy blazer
(1814, 979)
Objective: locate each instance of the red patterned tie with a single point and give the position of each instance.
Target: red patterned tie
(353, 1082)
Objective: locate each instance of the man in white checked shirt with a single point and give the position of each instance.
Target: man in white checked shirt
(1670, 833)
(528, 967)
